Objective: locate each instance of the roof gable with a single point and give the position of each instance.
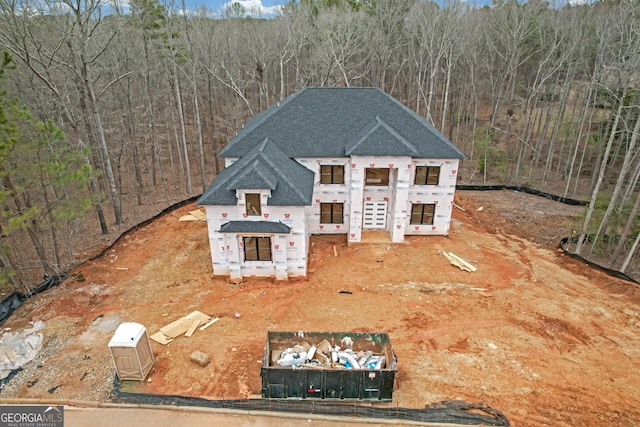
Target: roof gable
(379, 139)
(265, 167)
(254, 176)
(329, 122)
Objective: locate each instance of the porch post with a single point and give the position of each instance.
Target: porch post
(355, 196)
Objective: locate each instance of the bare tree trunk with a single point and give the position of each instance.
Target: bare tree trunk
(578, 139)
(584, 154)
(104, 152)
(565, 95)
(30, 228)
(445, 100)
(93, 186)
(630, 255)
(619, 182)
(199, 132)
(626, 231)
(213, 124)
(603, 167)
(10, 271)
(134, 149)
(52, 228)
(183, 132)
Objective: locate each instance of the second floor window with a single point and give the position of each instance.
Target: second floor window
(377, 176)
(332, 174)
(253, 204)
(331, 213)
(427, 175)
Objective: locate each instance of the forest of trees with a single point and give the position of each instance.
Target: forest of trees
(109, 114)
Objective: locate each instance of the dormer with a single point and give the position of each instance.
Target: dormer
(265, 172)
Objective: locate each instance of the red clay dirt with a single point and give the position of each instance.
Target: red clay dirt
(532, 333)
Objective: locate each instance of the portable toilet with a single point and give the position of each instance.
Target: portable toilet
(131, 352)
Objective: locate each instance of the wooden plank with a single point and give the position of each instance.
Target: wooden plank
(463, 262)
(187, 217)
(448, 257)
(209, 323)
(192, 328)
(335, 251)
(161, 338)
(176, 328)
(181, 326)
(459, 262)
(199, 215)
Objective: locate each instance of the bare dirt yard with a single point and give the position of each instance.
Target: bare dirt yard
(532, 333)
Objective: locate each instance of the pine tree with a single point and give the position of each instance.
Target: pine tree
(43, 182)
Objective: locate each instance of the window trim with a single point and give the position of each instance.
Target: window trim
(428, 175)
(422, 213)
(383, 182)
(246, 199)
(332, 213)
(333, 176)
(257, 248)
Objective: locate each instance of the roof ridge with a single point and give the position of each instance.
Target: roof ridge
(261, 173)
(398, 136)
(424, 123)
(377, 123)
(257, 169)
(263, 116)
(280, 174)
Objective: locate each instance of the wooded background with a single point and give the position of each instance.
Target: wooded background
(108, 115)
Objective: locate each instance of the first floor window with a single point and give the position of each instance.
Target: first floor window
(332, 174)
(331, 213)
(427, 175)
(422, 213)
(257, 248)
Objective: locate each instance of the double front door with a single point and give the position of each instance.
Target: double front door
(375, 215)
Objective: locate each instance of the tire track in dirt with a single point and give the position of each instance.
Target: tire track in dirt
(520, 249)
(451, 329)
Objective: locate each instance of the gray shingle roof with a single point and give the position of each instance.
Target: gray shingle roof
(255, 227)
(263, 167)
(256, 175)
(379, 139)
(338, 122)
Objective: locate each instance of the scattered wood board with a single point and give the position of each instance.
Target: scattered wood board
(185, 325)
(196, 215)
(181, 326)
(459, 262)
(161, 338)
(199, 215)
(192, 328)
(209, 323)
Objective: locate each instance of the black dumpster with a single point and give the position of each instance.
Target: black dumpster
(328, 379)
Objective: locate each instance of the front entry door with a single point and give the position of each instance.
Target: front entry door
(375, 215)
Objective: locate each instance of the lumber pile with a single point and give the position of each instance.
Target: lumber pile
(197, 215)
(459, 262)
(185, 325)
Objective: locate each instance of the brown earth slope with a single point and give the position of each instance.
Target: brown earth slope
(540, 337)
